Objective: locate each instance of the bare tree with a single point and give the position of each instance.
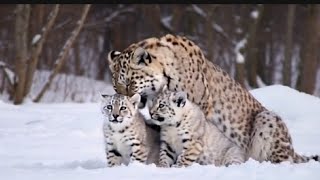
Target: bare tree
(108, 39)
(231, 32)
(251, 51)
(211, 9)
(240, 63)
(21, 46)
(64, 52)
(37, 46)
(177, 18)
(309, 61)
(288, 51)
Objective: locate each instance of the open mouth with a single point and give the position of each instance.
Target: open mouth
(115, 121)
(157, 119)
(160, 119)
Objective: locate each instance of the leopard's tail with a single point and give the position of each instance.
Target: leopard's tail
(303, 159)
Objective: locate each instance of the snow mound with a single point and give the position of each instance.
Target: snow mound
(64, 141)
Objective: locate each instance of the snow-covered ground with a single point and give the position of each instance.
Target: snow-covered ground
(64, 141)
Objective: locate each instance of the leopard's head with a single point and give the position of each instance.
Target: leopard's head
(167, 107)
(135, 70)
(119, 110)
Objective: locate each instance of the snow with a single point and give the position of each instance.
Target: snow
(166, 21)
(35, 39)
(239, 30)
(9, 73)
(238, 47)
(217, 27)
(260, 82)
(64, 141)
(66, 88)
(254, 14)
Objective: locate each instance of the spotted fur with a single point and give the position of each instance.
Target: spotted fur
(186, 136)
(127, 138)
(271, 141)
(145, 67)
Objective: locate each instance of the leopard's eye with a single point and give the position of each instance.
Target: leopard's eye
(123, 108)
(109, 107)
(161, 105)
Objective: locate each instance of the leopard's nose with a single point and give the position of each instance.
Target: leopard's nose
(152, 115)
(115, 116)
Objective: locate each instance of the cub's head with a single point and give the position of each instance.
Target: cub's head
(135, 70)
(119, 109)
(167, 107)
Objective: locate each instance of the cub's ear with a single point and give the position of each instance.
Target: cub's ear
(112, 55)
(103, 96)
(180, 98)
(135, 100)
(141, 57)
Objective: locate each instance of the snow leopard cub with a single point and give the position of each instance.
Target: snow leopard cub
(127, 138)
(186, 136)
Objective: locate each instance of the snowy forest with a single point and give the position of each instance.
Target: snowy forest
(54, 70)
(45, 48)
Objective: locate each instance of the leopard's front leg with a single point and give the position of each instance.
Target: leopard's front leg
(167, 155)
(139, 151)
(114, 158)
(192, 148)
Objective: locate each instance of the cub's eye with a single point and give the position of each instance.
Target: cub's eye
(123, 108)
(108, 107)
(161, 105)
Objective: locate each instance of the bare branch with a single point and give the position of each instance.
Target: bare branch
(64, 52)
(37, 46)
(111, 17)
(8, 72)
(63, 23)
(165, 26)
(217, 28)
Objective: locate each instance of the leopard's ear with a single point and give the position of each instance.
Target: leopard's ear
(104, 96)
(141, 57)
(180, 98)
(112, 55)
(135, 100)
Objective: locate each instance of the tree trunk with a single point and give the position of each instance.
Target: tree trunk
(264, 47)
(251, 59)
(209, 31)
(151, 14)
(178, 10)
(288, 51)
(21, 43)
(103, 63)
(37, 47)
(240, 76)
(64, 52)
(309, 62)
(77, 60)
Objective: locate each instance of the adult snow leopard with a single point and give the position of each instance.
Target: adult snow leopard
(145, 67)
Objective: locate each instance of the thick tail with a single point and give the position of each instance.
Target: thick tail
(303, 159)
